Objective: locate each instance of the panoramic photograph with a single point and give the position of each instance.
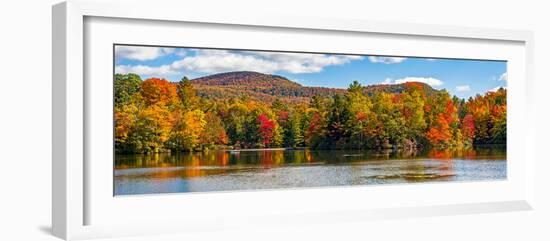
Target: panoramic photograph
(202, 120)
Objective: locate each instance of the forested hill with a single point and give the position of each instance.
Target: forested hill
(247, 78)
(267, 88)
(400, 88)
(262, 87)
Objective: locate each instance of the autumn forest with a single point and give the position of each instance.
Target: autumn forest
(244, 110)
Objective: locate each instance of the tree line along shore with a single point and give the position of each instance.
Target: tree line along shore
(156, 115)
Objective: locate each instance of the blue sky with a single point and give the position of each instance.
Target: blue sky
(463, 78)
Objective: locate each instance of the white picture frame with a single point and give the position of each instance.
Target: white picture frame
(73, 192)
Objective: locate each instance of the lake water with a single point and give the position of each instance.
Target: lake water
(273, 169)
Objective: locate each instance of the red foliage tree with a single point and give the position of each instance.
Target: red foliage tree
(266, 129)
(450, 112)
(468, 127)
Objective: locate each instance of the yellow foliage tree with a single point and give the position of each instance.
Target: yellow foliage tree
(187, 129)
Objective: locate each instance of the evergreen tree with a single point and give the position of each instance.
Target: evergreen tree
(187, 94)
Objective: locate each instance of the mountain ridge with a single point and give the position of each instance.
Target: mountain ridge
(268, 87)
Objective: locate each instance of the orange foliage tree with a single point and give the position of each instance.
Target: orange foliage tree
(158, 91)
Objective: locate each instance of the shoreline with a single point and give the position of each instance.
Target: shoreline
(266, 149)
(307, 148)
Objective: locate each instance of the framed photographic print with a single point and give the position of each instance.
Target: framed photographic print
(207, 121)
(199, 119)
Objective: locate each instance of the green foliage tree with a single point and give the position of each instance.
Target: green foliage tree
(413, 113)
(338, 135)
(187, 94)
(125, 86)
(360, 108)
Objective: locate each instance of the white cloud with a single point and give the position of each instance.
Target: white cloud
(160, 71)
(180, 52)
(431, 60)
(496, 88)
(215, 61)
(141, 53)
(503, 77)
(386, 60)
(387, 81)
(427, 80)
(463, 88)
(304, 63)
